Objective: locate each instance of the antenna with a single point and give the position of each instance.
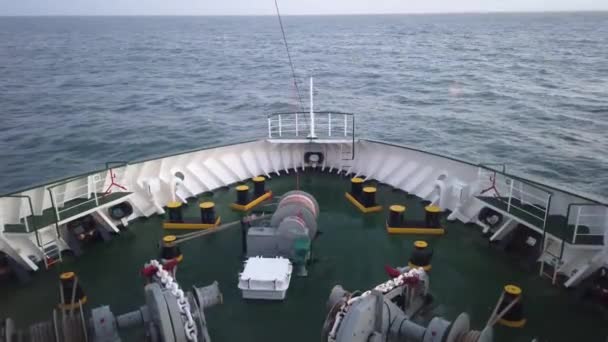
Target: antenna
(293, 71)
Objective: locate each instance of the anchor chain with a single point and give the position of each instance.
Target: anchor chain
(169, 283)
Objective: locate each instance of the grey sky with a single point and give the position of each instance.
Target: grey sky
(243, 7)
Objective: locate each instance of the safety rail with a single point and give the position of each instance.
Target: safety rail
(78, 192)
(589, 222)
(29, 221)
(489, 167)
(523, 200)
(61, 194)
(30, 206)
(326, 125)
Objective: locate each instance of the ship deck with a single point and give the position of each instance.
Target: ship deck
(467, 274)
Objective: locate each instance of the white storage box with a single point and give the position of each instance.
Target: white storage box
(265, 278)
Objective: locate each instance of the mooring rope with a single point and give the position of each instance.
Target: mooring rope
(293, 71)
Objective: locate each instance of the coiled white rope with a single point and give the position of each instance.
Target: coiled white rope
(169, 283)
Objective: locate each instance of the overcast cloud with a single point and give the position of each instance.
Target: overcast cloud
(258, 7)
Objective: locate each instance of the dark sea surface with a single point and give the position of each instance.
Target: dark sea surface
(530, 90)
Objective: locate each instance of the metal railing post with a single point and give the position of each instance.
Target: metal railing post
(298, 124)
(576, 222)
(269, 127)
(27, 225)
(297, 128)
(312, 112)
(510, 195)
(54, 206)
(545, 221)
(353, 138)
(31, 207)
(606, 221)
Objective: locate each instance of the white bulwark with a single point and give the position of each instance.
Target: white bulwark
(265, 278)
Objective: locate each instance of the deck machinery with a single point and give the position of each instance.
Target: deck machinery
(289, 233)
(386, 313)
(169, 315)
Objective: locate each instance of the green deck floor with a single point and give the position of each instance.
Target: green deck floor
(467, 275)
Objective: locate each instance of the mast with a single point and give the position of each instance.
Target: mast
(312, 113)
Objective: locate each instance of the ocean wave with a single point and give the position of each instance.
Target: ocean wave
(148, 86)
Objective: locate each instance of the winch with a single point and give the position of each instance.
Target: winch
(386, 312)
(289, 233)
(169, 315)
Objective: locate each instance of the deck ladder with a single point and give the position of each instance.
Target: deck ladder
(552, 258)
(50, 249)
(347, 157)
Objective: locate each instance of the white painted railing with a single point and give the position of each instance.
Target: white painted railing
(87, 189)
(519, 198)
(327, 125)
(589, 221)
(22, 207)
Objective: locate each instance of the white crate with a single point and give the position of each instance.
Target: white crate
(265, 278)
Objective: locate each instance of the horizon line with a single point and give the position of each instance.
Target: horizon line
(313, 14)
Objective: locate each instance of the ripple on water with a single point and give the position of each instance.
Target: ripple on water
(480, 87)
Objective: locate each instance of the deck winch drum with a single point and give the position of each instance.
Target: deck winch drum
(300, 198)
(299, 211)
(290, 232)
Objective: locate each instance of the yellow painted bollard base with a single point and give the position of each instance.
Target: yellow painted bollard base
(415, 230)
(360, 206)
(253, 203)
(192, 225)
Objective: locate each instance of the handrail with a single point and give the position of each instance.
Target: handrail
(330, 124)
(487, 166)
(575, 233)
(519, 179)
(72, 178)
(56, 218)
(307, 113)
(73, 189)
(116, 163)
(353, 136)
(545, 226)
(29, 200)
